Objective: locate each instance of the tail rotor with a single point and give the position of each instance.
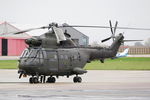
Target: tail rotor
(113, 31)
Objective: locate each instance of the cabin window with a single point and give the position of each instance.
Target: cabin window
(61, 57)
(65, 57)
(39, 54)
(44, 54)
(75, 57)
(55, 56)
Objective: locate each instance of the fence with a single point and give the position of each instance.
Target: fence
(136, 50)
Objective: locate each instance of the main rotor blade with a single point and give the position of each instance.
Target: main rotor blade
(85, 26)
(31, 29)
(60, 36)
(131, 40)
(106, 39)
(105, 27)
(132, 28)
(129, 28)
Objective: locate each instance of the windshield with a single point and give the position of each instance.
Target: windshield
(32, 53)
(25, 53)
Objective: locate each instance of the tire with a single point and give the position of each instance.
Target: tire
(75, 79)
(53, 80)
(31, 80)
(79, 79)
(48, 80)
(35, 80)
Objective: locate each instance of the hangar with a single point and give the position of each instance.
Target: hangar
(78, 37)
(10, 44)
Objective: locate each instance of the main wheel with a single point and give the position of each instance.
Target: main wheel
(35, 80)
(75, 79)
(31, 80)
(51, 80)
(79, 79)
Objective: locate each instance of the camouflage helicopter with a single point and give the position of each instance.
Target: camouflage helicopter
(55, 54)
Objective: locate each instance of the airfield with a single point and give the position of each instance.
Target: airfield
(96, 85)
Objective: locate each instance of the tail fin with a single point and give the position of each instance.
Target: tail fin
(126, 51)
(123, 54)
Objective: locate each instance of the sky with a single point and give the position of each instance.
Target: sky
(26, 14)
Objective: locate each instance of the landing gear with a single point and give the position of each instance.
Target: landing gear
(77, 79)
(42, 79)
(33, 80)
(51, 80)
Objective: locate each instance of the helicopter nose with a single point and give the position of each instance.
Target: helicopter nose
(30, 67)
(27, 64)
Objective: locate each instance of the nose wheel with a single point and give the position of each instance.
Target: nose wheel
(77, 79)
(33, 80)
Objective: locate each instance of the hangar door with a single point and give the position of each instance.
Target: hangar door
(4, 47)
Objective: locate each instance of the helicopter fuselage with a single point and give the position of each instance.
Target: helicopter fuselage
(46, 61)
(61, 61)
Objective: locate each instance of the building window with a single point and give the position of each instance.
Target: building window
(84, 41)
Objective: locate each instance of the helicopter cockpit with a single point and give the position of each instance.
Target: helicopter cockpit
(32, 53)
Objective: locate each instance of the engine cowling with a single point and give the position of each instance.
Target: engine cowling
(33, 42)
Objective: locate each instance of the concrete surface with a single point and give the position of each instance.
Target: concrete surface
(9, 57)
(96, 85)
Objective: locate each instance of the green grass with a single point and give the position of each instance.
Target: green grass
(8, 64)
(128, 63)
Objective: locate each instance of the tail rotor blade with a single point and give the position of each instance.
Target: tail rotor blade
(115, 27)
(111, 28)
(106, 39)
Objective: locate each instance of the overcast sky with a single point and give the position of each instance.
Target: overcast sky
(33, 13)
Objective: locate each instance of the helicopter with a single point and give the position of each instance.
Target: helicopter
(55, 54)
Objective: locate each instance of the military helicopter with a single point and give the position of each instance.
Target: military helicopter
(54, 54)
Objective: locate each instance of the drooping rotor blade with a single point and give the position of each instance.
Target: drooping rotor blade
(129, 28)
(105, 27)
(31, 29)
(60, 36)
(106, 39)
(84, 26)
(131, 40)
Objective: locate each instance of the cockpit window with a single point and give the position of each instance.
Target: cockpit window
(32, 53)
(25, 53)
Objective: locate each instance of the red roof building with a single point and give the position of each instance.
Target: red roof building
(11, 44)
